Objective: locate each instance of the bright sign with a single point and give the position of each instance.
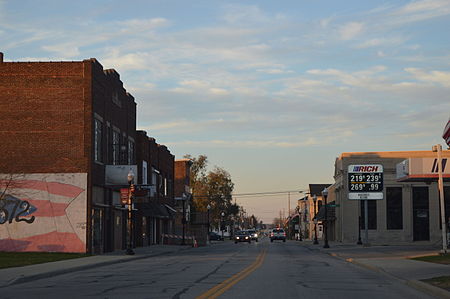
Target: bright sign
(365, 181)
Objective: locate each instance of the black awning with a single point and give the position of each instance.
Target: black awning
(151, 209)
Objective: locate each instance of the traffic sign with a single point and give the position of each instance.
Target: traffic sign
(365, 181)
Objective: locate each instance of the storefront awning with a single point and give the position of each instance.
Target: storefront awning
(155, 210)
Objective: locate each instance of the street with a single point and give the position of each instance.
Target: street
(225, 269)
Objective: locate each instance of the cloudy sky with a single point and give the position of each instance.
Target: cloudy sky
(272, 91)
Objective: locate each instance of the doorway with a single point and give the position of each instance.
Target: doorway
(421, 218)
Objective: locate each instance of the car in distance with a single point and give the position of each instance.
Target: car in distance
(277, 234)
(242, 236)
(213, 236)
(253, 234)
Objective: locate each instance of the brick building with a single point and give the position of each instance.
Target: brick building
(183, 197)
(61, 125)
(154, 200)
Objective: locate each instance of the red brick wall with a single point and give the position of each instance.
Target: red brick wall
(166, 166)
(42, 116)
(181, 176)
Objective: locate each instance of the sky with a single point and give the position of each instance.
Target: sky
(271, 91)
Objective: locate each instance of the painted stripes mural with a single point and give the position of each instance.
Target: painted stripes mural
(43, 212)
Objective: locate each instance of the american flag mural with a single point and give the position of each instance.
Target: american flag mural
(43, 212)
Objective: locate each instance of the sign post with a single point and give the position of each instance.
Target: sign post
(365, 182)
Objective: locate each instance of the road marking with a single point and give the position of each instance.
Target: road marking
(227, 284)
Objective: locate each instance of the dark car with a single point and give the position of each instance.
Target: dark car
(253, 234)
(242, 236)
(215, 236)
(277, 234)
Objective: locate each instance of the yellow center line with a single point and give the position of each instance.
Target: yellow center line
(228, 283)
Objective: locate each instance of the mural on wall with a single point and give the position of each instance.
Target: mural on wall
(43, 212)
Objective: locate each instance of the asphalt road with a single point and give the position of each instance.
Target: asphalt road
(226, 270)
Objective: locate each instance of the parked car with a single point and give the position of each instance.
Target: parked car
(253, 234)
(242, 236)
(213, 236)
(278, 234)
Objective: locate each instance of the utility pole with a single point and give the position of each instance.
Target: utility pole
(280, 219)
(438, 148)
(289, 215)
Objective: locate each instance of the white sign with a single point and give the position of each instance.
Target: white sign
(421, 168)
(118, 174)
(365, 181)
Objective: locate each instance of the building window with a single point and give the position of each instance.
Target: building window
(97, 140)
(394, 208)
(115, 99)
(144, 172)
(165, 187)
(372, 209)
(130, 152)
(108, 141)
(116, 147)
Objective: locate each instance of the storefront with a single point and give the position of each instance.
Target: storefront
(406, 208)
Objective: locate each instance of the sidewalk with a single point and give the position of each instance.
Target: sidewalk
(16, 275)
(392, 261)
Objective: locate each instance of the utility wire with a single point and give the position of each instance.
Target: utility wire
(256, 194)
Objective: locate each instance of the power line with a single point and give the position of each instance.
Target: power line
(255, 194)
(268, 193)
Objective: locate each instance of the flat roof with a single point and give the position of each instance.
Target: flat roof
(394, 154)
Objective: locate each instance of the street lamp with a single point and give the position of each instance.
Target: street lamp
(315, 219)
(325, 194)
(130, 178)
(208, 207)
(221, 222)
(183, 220)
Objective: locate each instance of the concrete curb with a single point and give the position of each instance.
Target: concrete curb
(418, 285)
(428, 288)
(27, 278)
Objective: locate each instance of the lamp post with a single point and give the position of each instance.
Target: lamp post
(315, 219)
(325, 194)
(300, 225)
(221, 222)
(130, 178)
(208, 207)
(359, 231)
(183, 220)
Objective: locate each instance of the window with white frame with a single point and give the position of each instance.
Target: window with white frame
(130, 152)
(144, 172)
(116, 147)
(97, 140)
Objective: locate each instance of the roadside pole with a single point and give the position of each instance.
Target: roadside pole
(366, 223)
(438, 148)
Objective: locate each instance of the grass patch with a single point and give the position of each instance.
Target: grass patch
(441, 282)
(18, 259)
(439, 259)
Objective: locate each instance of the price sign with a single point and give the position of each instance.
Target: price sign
(365, 181)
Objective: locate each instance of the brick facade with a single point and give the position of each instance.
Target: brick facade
(60, 118)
